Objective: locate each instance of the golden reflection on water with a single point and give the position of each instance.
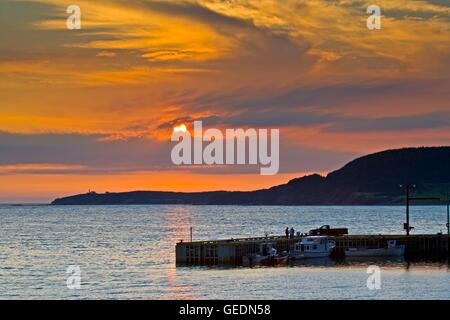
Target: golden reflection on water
(178, 222)
(129, 252)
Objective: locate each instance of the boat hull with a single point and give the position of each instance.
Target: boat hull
(380, 252)
(310, 255)
(253, 260)
(264, 260)
(274, 261)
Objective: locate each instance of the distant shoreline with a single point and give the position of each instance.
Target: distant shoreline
(211, 205)
(376, 179)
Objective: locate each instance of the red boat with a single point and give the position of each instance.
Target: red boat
(276, 260)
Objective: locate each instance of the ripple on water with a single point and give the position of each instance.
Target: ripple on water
(128, 253)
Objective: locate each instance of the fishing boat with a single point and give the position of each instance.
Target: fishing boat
(312, 247)
(277, 259)
(267, 256)
(391, 250)
(253, 259)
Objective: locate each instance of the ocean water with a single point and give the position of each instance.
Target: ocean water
(128, 252)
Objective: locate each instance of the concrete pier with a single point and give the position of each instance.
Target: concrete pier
(230, 252)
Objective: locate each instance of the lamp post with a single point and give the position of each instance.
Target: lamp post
(406, 225)
(448, 215)
(408, 187)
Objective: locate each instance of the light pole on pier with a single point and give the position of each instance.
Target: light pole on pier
(408, 187)
(406, 225)
(448, 215)
(408, 192)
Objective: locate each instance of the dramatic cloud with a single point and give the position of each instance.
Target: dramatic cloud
(104, 99)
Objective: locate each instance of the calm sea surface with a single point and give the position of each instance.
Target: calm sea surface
(127, 252)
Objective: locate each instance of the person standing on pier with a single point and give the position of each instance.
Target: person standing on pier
(287, 232)
(292, 232)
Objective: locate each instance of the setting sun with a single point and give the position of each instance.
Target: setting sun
(180, 128)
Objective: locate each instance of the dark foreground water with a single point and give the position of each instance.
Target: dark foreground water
(128, 253)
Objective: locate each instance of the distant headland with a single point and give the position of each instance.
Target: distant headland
(374, 179)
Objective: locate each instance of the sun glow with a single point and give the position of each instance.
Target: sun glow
(181, 128)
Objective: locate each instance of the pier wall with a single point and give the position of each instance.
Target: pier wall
(230, 252)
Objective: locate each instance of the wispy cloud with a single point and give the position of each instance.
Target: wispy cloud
(106, 97)
(40, 168)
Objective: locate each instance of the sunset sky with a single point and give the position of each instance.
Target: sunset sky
(93, 109)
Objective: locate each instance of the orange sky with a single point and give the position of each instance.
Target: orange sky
(93, 108)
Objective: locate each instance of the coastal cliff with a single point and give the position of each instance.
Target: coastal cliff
(372, 179)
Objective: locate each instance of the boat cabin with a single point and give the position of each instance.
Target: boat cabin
(314, 244)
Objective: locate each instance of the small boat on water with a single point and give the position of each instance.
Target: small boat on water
(277, 259)
(253, 259)
(312, 247)
(267, 256)
(391, 250)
